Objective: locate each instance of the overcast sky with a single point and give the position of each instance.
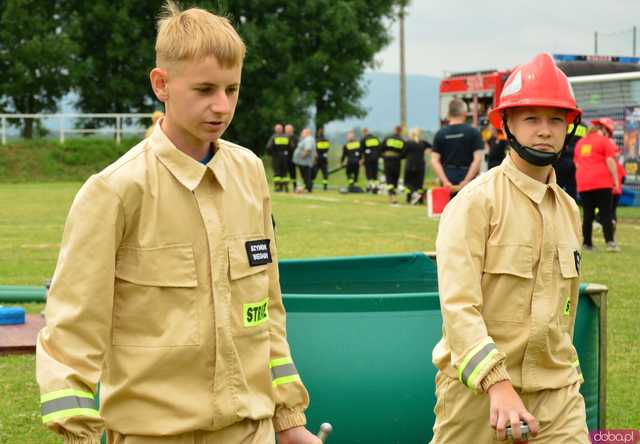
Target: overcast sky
(462, 35)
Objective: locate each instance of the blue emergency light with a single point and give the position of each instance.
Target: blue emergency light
(595, 58)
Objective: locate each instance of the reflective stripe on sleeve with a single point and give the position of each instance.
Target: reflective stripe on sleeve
(283, 370)
(475, 361)
(576, 365)
(66, 403)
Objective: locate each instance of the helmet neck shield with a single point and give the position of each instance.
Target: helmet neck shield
(533, 156)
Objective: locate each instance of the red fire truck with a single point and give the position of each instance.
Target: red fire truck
(481, 89)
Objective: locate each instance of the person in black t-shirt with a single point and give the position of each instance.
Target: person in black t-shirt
(392, 152)
(497, 148)
(322, 161)
(457, 149)
(370, 145)
(565, 168)
(351, 157)
(415, 167)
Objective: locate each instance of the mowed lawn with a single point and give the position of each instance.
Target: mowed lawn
(321, 224)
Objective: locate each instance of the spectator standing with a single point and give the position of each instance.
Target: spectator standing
(457, 149)
(415, 166)
(305, 157)
(596, 178)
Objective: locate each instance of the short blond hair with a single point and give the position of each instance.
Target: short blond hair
(195, 34)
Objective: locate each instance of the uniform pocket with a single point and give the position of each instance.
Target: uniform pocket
(569, 264)
(248, 261)
(507, 282)
(155, 297)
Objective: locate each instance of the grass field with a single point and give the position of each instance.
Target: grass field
(321, 224)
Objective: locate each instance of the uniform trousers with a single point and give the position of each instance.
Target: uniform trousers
(463, 417)
(353, 171)
(371, 169)
(322, 165)
(414, 178)
(392, 173)
(243, 432)
(280, 167)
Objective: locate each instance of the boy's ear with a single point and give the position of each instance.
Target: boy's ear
(159, 78)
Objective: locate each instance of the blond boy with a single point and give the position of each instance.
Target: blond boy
(166, 290)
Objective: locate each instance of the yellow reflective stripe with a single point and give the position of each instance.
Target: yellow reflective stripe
(581, 131)
(281, 140)
(576, 365)
(285, 380)
(256, 313)
(64, 393)
(371, 142)
(471, 382)
(470, 355)
(567, 307)
(353, 145)
(395, 143)
(280, 361)
(323, 145)
(70, 412)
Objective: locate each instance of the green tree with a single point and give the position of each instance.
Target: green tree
(116, 40)
(36, 53)
(337, 42)
(305, 55)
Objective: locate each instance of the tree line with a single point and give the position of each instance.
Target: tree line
(305, 58)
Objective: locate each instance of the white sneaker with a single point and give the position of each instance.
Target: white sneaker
(612, 247)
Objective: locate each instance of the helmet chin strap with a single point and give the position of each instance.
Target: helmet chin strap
(537, 157)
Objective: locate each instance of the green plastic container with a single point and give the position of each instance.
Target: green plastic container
(366, 356)
(394, 273)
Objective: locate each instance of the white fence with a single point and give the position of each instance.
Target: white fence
(65, 124)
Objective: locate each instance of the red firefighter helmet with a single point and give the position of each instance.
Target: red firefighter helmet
(605, 122)
(536, 83)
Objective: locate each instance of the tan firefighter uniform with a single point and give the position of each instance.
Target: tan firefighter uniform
(508, 252)
(167, 292)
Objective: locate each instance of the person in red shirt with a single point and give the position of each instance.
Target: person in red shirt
(596, 178)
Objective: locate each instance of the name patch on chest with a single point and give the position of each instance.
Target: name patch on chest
(258, 252)
(256, 313)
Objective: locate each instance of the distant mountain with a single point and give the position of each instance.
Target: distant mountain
(382, 102)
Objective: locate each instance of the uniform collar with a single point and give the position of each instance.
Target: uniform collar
(188, 171)
(534, 189)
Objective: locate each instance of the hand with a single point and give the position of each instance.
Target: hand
(507, 409)
(448, 185)
(297, 435)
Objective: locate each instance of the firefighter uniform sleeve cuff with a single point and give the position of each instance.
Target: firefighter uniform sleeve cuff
(495, 375)
(286, 419)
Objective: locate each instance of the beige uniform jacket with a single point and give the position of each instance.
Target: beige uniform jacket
(508, 250)
(167, 292)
